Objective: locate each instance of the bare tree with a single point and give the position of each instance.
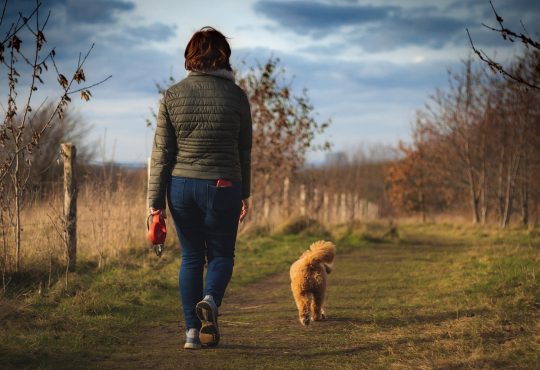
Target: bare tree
(18, 138)
(456, 116)
(479, 146)
(284, 128)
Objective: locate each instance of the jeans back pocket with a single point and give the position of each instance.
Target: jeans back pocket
(224, 198)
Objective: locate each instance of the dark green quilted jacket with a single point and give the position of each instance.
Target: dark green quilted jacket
(203, 132)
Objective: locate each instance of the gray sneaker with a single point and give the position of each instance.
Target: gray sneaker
(192, 339)
(207, 312)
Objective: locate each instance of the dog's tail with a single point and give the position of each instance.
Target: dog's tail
(321, 252)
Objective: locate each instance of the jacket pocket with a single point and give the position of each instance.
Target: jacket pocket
(224, 198)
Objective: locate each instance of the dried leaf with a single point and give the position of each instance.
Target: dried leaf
(16, 43)
(85, 95)
(41, 38)
(62, 80)
(79, 76)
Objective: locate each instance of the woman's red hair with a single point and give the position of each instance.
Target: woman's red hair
(207, 50)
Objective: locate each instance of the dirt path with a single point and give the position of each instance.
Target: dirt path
(387, 308)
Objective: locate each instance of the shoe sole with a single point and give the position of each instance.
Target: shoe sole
(209, 333)
(192, 346)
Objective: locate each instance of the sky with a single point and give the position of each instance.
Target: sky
(367, 65)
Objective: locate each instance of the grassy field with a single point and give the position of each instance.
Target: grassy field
(436, 296)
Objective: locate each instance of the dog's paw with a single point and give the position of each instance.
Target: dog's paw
(319, 317)
(305, 320)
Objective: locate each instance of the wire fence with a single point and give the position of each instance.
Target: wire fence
(112, 216)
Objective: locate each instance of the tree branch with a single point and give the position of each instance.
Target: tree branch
(497, 67)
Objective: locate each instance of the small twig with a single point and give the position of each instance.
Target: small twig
(3, 11)
(524, 28)
(58, 231)
(499, 19)
(89, 87)
(16, 27)
(235, 322)
(498, 67)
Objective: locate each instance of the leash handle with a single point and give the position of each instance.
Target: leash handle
(157, 230)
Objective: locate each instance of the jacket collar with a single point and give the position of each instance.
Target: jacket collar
(223, 73)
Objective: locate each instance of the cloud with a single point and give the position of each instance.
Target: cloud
(373, 28)
(313, 17)
(377, 28)
(154, 32)
(404, 30)
(95, 11)
(73, 12)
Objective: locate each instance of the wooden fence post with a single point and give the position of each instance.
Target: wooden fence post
(326, 210)
(302, 200)
(286, 204)
(266, 201)
(69, 152)
(335, 210)
(314, 208)
(355, 207)
(343, 208)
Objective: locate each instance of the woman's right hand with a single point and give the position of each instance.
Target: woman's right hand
(153, 211)
(245, 208)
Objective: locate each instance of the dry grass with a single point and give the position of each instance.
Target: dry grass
(111, 220)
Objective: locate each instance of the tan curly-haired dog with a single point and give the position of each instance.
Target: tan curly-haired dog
(308, 280)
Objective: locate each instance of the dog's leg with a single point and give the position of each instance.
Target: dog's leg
(302, 303)
(317, 304)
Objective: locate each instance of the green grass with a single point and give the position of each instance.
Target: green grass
(433, 296)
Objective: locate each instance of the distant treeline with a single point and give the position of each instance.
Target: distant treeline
(476, 146)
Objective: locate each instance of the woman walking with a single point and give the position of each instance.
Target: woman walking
(201, 162)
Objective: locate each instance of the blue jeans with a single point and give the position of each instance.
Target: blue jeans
(206, 221)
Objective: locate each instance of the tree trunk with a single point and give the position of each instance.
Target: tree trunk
(524, 204)
(483, 206)
(525, 192)
(422, 202)
(483, 183)
(4, 252)
(500, 197)
(472, 187)
(513, 168)
(474, 198)
(18, 195)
